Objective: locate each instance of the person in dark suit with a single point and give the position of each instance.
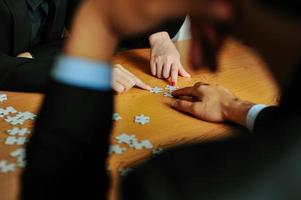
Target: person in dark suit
(67, 153)
(31, 35)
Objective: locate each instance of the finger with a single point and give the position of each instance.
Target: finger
(166, 69)
(121, 76)
(138, 82)
(183, 106)
(159, 66)
(118, 87)
(127, 82)
(188, 91)
(187, 98)
(174, 74)
(142, 85)
(183, 72)
(153, 67)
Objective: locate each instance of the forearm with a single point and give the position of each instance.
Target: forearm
(24, 75)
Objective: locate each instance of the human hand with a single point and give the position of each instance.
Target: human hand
(25, 55)
(123, 80)
(165, 59)
(211, 103)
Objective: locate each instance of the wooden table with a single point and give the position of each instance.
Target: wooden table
(242, 71)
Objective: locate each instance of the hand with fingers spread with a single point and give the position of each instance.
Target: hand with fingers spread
(211, 103)
(165, 59)
(123, 80)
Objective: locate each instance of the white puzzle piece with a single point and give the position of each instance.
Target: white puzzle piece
(142, 119)
(6, 167)
(20, 118)
(125, 171)
(3, 97)
(126, 139)
(18, 131)
(156, 90)
(171, 88)
(166, 94)
(20, 154)
(116, 117)
(7, 111)
(116, 149)
(11, 140)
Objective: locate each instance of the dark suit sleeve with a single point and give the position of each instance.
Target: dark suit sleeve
(25, 75)
(266, 118)
(67, 152)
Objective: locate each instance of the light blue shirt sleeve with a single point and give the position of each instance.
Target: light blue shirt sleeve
(83, 73)
(252, 115)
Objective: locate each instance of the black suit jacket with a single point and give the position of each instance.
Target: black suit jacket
(15, 36)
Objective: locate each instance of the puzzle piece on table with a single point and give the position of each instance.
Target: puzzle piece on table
(142, 119)
(15, 141)
(116, 117)
(18, 131)
(116, 149)
(7, 111)
(125, 138)
(21, 157)
(146, 144)
(125, 171)
(3, 97)
(166, 94)
(20, 118)
(156, 152)
(136, 145)
(156, 90)
(171, 88)
(6, 167)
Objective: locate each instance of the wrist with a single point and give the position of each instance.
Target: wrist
(237, 110)
(158, 38)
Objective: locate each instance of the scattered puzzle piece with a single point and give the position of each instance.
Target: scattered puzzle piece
(6, 167)
(125, 171)
(146, 144)
(11, 140)
(156, 90)
(18, 131)
(166, 94)
(3, 97)
(20, 118)
(157, 151)
(126, 139)
(116, 149)
(171, 88)
(116, 117)
(7, 111)
(142, 119)
(21, 157)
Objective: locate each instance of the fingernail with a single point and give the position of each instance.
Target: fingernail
(173, 104)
